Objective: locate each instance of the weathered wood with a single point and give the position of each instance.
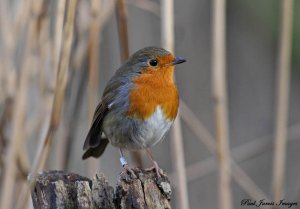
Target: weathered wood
(147, 191)
(102, 193)
(56, 189)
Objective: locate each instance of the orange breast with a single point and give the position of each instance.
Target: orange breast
(153, 88)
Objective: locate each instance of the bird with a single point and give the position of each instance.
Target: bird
(138, 106)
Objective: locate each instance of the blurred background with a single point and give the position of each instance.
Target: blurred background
(238, 133)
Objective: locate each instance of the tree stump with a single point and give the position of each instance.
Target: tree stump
(57, 189)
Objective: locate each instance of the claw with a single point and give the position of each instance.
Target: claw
(124, 164)
(155, 165)
(156, 168)
(129, 170)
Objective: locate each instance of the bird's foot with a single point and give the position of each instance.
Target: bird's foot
(129, 170)
(157, 169)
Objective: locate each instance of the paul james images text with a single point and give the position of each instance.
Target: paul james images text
(263, 202)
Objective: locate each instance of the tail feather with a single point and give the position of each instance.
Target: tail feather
(96, 151)
(93, 138)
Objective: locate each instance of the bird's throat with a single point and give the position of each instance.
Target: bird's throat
(151, 89)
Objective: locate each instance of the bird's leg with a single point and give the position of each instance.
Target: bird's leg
(125, 164)
(155, 165)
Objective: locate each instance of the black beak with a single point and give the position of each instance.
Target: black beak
(178, 60)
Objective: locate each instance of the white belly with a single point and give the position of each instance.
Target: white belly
(132, 133)
(154, 128)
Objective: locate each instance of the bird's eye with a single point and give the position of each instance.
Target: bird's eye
(153, 62)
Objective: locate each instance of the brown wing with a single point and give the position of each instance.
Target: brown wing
(94, 143)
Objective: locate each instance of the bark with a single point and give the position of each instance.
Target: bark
(57, 189)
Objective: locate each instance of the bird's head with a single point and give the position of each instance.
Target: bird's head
(154, 60)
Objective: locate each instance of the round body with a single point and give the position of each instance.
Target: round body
(139, 103)
(135, 133)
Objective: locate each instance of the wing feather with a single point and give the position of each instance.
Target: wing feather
(93, 138)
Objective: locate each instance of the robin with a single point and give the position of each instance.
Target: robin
(138, 106)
